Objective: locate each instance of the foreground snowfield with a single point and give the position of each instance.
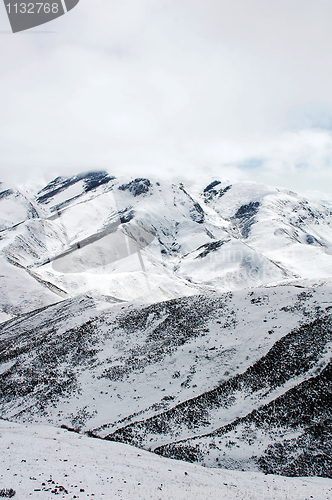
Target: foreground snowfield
(40, 461)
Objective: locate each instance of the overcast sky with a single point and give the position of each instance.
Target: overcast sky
(240, 89)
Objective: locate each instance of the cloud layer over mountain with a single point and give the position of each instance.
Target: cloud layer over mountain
(241, 88)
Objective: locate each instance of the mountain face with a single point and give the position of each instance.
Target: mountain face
(152, 240)
(195, 325)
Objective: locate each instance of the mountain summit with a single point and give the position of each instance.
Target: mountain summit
(144, 239)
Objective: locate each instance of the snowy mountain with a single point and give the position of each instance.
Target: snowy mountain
(152, 240)
(193, 324)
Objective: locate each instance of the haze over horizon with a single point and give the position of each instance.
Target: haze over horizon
(226, 89)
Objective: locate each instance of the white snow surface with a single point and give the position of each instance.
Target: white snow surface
(15, 208)
(40, 461)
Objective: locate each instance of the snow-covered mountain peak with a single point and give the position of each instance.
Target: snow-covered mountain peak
(62, 191)
(99, 234)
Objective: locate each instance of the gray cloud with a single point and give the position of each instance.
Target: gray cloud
(169, 87)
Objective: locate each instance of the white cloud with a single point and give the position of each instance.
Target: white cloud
(172, 88)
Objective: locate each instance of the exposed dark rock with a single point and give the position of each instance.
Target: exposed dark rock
(210, 193)
(244, 218)
(211, 186)
(249, 210)
(197, 213)
(210, 247)
(6, 193)
(91, 180)
(137, 186)
(126, 216)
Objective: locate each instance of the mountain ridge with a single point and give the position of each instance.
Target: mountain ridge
(138, 311)
(239, 236)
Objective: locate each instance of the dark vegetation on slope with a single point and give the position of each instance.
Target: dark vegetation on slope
(46, 363)
(181, 320)
(306, 408)
(43, 365)
(47, 368)
(291, 356)
(45, 357)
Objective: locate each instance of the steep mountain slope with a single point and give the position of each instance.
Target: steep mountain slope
(196, 325)
(296, 356)
(287, 397)
(15, 208)
(151, 240)
(290, 436)
(20, 291)
(287, 229)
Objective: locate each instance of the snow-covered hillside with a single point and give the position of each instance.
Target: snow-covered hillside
(290, 231)
(195, 325)
(150, 375)
(39, 462)
(152, 240)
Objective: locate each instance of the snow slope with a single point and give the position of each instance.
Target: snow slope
(15, 208)
(40, 461)
(151, 240)
(150, 375)
(287, 229)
